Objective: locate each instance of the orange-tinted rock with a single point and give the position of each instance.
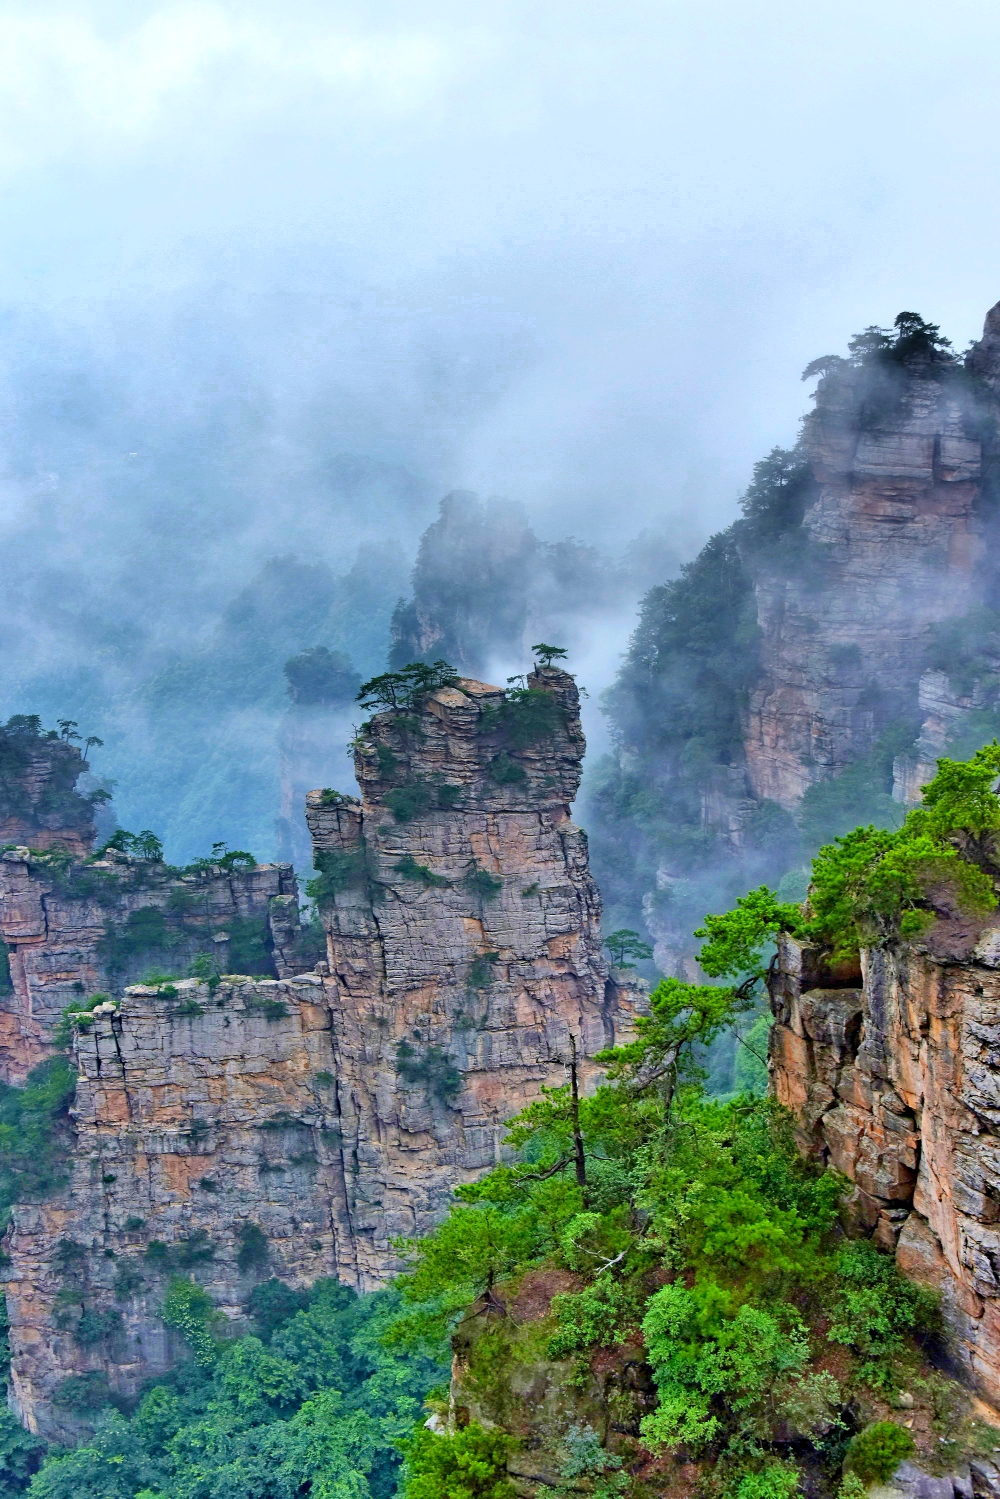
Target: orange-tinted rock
(913, 1119)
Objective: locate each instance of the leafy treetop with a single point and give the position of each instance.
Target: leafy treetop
(625, 943)
(876, 885)
(405, 689)
(546, 654)
(144, 845)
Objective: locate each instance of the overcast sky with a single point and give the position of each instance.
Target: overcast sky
(573, 253)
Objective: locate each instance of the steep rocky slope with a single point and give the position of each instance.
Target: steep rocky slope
(890, 546)
(74, 930)
(768, 691)
(893, 1078)
(39, 803)
(315, 1117)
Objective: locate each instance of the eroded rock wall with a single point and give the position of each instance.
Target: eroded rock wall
(97, 927)
(464, 939)
(39, 803)
(889, 547)
(336, 1110)
(895, 1080)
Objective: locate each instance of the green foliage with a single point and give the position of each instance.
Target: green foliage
(873, 886)
(129, 1280)
(272, 1303)
(487, 886)
(144, 931)
(330, 798)
(526, 716)
(204, 966)
(876, 1453)
(750, 1064)
(505, 771)
(404, 690)
(144, 845)
(82, 1394)
(431, 1068)
(735, 941)
(77, 1017)
(699, 1350)
(546, 654)
(339, 869)
(599, 1316)
(415, 798)
(467, 1464)
(481, 970)
(411, 870)
(683, 1015)
(96, 1327)
(318, 1410)
(321, 677)
(188, 1309)
(222, 858)
(20, 1455)
(250, 946)
(253, 1250)
(625, 943)
(32, 1160)
(861, 793)
(877, 1308)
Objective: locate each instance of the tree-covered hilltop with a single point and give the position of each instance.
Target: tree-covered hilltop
(674, 825)
(651, 1293)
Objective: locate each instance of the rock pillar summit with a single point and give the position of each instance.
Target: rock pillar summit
(317, 1116)
(464, 941)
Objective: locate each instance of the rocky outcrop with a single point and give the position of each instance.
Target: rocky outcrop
(317, 1117)
(76, 929)
(889, 547)
(464, 941)
(893, 1077)
(39, 803)
(198, 1113)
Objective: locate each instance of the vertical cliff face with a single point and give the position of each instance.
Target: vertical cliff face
(890, 547)
(39, 803)
(464, 933)
(893, 1078)
(73, 930)
(316, 1117)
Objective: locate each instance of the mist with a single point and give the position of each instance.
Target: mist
(273, 283)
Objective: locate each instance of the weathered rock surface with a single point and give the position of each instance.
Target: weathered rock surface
(80, 930)
(464, 939)
(895, 1080)
(890, 547)
(336, 1110)
(39, 803)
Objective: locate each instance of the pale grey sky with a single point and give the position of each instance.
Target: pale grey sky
(574, 253)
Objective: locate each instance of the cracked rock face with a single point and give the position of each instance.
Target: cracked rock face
(464, 935)
(895, 1080)
(891, 544)
(56, 925)
(331, 1111)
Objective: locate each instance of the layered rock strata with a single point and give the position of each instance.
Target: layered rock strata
(889, 548)
(464, 942)
(318, 1117)
(79, 929)
(894, 1077)
(39, 803)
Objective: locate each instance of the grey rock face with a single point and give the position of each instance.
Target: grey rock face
(331, 1111)
(72, 932)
